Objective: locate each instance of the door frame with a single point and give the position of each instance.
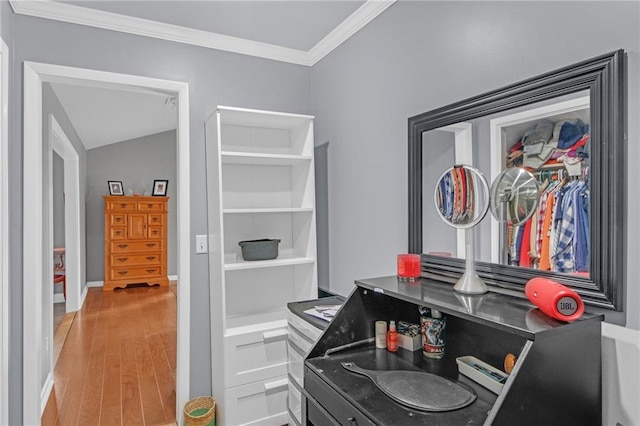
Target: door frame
(4, 232)
(61, 145)
(34, 242)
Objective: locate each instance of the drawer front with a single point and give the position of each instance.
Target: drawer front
(333, 403)
(155, 233)
(122, 205)
(318, 415)
(294, 403)
(118, 219)
(296, 363)
(254, 356)
(126, 247)
(126, 259)
(300, 341)
(156, 219)
(261, 403)
(118, 233)
(150, 206)
(135, 272)
(305, 328)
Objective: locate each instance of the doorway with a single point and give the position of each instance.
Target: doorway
(36, 241)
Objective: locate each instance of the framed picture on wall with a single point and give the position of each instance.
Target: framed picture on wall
(115, 187)
(160, 188)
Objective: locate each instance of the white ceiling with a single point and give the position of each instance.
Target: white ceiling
(296, 31)
(104, 116)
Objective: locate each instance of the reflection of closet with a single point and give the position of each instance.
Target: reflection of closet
(260, 185)
(552, 142)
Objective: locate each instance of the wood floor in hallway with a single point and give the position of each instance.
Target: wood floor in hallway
(118, 364)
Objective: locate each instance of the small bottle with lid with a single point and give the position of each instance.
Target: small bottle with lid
(392, 337)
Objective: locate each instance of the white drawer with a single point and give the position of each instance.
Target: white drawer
(294, 403)
(300, 341)
(257, 355)
(261, 403)
(296, 364)
(305, 328)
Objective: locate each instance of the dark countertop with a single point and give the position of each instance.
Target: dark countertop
(508, 313)
(298, 309)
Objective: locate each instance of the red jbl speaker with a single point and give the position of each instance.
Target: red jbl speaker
(554, 299)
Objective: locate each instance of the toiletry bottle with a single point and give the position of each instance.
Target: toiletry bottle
(392, 337)
(433, 326)
(381, 334)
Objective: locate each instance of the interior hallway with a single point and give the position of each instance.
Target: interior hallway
(118, 363)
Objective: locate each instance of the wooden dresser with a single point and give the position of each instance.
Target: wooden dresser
(135, 241)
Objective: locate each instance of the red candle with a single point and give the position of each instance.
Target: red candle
(409, 267)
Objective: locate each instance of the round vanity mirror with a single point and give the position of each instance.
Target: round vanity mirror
(462, 196)
(462, 199)
(514, 196)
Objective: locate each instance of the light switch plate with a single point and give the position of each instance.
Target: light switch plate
(201, 244)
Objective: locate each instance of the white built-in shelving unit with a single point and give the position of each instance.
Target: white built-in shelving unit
(260, 184)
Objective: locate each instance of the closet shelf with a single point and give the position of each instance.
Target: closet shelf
(250, 158)
(269, 210)
(281, 261)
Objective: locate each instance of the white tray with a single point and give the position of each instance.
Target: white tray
(482, 373)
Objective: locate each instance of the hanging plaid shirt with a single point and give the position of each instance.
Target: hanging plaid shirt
(564, 255)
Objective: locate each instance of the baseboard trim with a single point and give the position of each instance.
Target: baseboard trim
(172, 277)
(46, 392)
(58, 298)
(83, 296)
(95, 283)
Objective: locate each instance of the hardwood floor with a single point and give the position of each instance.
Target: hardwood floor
(118, 364)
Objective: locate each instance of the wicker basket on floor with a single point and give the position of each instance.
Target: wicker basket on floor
(200, 411)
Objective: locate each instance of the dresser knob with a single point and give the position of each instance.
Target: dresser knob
(123, 205)
(123, 259)
(123, 272)
(151, 271)
(151, 245)
(150, 258)
(123, 246)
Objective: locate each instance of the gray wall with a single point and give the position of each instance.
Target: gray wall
(214, 77)
(418, 56)
(136, 163)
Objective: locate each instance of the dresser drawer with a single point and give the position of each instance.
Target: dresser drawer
(254, 356)
(295, 367)
(135, 272)
(150, 205)
(121, 205)
(156, 219)
(118, 219)
(126, 259)
(126, 247)
(118, 233)
(155, 233)
(261, 403)
(305, 328)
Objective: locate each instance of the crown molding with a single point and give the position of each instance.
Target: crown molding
(356, 21)
(65, 12)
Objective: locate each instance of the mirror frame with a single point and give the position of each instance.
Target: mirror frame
(604, 77)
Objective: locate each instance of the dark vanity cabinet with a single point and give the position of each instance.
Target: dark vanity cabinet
(556, 379)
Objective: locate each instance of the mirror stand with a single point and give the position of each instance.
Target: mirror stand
(470, 282)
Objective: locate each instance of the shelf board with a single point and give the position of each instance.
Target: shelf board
(250, 158)
(269, 210)
(239, 265)
(261, 321)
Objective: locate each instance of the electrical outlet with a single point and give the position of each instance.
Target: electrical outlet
(201, 244)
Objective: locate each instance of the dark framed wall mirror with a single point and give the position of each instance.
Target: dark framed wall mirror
(568, 128)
